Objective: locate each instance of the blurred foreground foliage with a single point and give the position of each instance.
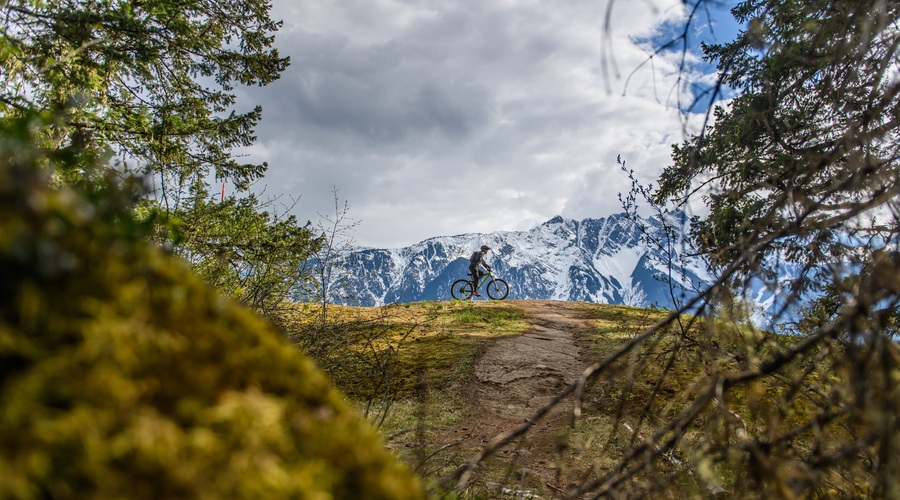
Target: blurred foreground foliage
(123, 375)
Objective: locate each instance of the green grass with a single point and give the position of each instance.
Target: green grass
(494, 318)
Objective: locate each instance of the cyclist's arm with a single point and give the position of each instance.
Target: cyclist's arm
(478, 258)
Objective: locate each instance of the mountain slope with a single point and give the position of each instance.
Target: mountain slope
(601, 260)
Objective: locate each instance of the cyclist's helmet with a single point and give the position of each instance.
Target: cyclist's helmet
(485, 247)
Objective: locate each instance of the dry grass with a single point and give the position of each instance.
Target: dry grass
(436, 362)
(436, 342)
(633, 399)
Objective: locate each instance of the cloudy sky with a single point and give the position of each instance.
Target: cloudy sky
(440, 118)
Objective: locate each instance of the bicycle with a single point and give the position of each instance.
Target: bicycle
(497, 289)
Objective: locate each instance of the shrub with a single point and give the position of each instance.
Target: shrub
(122, 375)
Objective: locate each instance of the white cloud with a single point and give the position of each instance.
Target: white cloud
(469, 116)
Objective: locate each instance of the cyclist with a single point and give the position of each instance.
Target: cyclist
(476, 259)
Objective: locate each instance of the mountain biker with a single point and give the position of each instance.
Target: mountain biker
(476, 259)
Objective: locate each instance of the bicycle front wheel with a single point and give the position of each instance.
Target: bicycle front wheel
(497, 289)
(461, 289)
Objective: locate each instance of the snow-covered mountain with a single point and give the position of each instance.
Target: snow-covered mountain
(595, 260)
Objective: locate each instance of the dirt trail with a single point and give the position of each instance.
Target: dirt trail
(517, 376)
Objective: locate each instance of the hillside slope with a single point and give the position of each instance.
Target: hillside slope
(501, 414)
(680, 411)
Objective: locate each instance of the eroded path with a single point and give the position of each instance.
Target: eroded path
(516, 377)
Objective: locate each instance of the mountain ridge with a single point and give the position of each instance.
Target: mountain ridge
(605, 260)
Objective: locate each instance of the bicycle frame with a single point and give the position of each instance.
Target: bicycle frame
(464, 289)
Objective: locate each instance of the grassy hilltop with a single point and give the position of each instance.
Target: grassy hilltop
(649, 423)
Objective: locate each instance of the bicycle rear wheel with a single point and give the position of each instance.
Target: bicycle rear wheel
(461, 289)
(497, 289)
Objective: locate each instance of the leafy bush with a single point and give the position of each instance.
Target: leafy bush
(122, 375)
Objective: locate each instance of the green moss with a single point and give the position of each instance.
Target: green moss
(121, 375)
